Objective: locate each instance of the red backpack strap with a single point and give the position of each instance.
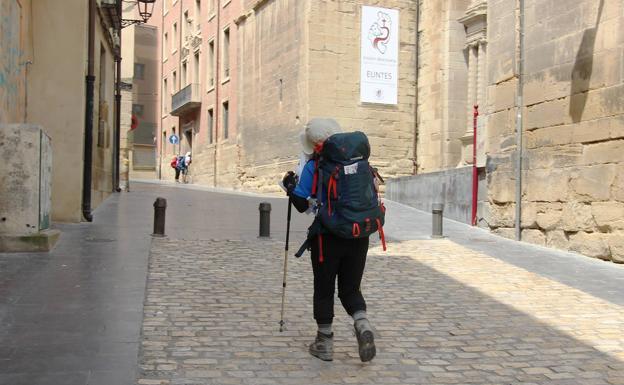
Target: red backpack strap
(331, 187)
(381, 234)
(316, 177)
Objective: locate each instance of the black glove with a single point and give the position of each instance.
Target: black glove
(290, 182)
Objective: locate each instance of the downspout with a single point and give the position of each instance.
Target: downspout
(163, 91)
(88, 135)
(417, 52)
(116, 148)
(475, 172)
(519, 115)
(181, 34)
(217, 109)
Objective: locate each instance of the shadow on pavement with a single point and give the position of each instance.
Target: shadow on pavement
(432, 329)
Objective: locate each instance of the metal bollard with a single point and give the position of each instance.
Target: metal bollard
(160, 208)
(436, 214)
(265, 219)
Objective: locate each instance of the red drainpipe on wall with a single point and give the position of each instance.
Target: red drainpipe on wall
(475, 175)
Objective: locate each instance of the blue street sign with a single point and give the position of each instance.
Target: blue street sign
(173, 139)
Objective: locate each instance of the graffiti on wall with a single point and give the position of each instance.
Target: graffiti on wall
(11, 77)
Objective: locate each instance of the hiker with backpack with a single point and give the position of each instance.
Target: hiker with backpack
(181, 163)
(338, 185)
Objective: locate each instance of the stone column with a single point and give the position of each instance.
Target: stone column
(481, 97)
(475, 23)
(471, 100)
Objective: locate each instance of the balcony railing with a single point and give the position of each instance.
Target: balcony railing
(185, 100)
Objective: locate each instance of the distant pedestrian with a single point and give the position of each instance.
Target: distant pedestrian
(179, 166)
(182, 166)
(335, 174)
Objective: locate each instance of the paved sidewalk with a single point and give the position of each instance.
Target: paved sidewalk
(74, 315)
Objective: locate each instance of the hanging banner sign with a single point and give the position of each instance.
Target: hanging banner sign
(379, 61)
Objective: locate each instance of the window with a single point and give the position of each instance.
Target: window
(226, 120)
(174, 79)
(196, 68)
(139, 71)
(197, 13)
(165, 45)
(226, 53)
(210, 119)
(188, 25)
(166, 97)
(183, 75)
(210, 64)
(174, 37)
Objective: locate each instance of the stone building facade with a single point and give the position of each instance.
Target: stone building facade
(542, 81)
(287, 61)
(43, 70)
(573, 124)
(568, 106)
(140, 102)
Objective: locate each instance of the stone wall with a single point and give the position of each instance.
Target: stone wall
(296, 60)
(451, 187)
(272, 92)
(442, 87)
(334, 81)
(22, 181)
(573, 164)
(103, 118)
(58, 82)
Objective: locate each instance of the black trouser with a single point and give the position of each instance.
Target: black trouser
(177, 173)
(344, 258)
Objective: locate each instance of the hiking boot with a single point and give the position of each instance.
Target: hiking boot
(323, 346)
(365, 339)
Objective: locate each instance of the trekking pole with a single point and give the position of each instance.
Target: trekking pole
(285, 264)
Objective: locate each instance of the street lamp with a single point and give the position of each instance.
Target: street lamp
(146, 7)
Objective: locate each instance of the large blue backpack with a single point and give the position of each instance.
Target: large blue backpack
(351, 208)
(181, 165)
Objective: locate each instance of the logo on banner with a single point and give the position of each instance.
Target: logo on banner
(379, 32)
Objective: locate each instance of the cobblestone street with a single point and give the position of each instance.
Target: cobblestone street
(472, 308)
(443, 314)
